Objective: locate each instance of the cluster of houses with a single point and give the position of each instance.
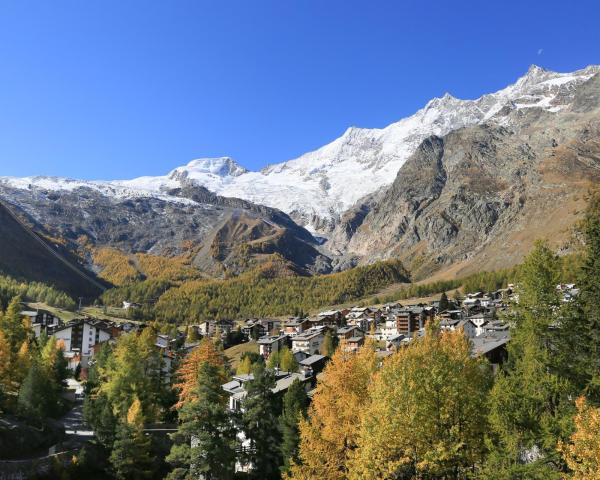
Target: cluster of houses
(82, 337)
(391, 325)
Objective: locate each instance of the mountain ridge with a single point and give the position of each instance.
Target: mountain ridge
(319, 186)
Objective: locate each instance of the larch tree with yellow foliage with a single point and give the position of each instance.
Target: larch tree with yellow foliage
(6, 383)
(582, 453)
(187, 374)
(329, 436)
(427, 412)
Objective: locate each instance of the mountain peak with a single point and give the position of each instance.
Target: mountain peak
(219, 166)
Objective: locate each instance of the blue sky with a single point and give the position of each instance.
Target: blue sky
(115, 89)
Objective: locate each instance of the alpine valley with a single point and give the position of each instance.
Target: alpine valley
(460, 186)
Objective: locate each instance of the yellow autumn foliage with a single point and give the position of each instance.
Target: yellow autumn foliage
(582, 453)
(120, 268)
(329, 436)
(426, 417)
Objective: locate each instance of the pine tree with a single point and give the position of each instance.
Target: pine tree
(329, 436)
(427, 412)
(204, 445)
(130, 457)
(295, 404)
(260, 425)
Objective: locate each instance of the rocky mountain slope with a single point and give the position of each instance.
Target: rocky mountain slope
(479, 196)
(27, 255)
(220, 235)
(475, 182)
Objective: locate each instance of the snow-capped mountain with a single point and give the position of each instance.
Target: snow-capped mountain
(319, 186)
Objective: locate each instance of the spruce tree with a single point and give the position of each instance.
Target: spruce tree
(205, 441)
(444, 303)
(260, 425)
(295, 403)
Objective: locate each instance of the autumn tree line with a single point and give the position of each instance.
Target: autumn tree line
(32, 292)
(32, 374)
(255, 293)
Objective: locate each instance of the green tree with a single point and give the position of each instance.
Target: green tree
(37, 399)
(260, 425)
(578, 353)
(295, 404)
(130, 457)
(244, 367)
(204, 445)
(444, 303)
(287, 361)
(273, 361)
(530, 403)
(327, 347)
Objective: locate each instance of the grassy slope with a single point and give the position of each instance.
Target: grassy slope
(234, 353)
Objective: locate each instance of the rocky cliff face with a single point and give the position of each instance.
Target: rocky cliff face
(479, 196)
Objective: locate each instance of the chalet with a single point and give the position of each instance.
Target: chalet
(296, 326)
(491, 345)
(480, 320)
(452, 314)
(352, 344)
(468, 327)
(331, 317)
(472, 304)
(309, 342)
(271, 344)
(129, 305)
(394, 342)
(237, 391)
(256, 328)
(412, 319)
(209, 328)
(495, 326)
(164, 341)
(313, 364)
(344, 333)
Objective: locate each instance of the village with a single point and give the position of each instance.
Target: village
(484, 318)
